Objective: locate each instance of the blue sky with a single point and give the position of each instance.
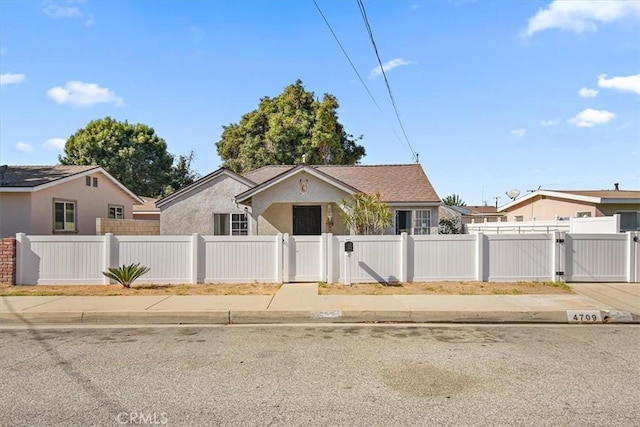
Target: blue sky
(494, 95)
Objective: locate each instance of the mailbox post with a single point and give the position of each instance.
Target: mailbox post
(348, 249)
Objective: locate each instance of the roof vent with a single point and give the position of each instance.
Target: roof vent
(615, 186)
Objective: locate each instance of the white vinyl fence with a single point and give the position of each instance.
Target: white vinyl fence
(283, 258)
(592, 225)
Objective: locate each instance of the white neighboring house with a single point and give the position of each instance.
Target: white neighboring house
(41, 200)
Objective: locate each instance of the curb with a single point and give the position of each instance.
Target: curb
(230, 317)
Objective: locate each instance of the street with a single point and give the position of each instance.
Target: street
(346, 375)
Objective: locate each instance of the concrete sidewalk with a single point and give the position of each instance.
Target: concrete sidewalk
(300, 303)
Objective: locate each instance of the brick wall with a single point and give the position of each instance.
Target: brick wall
(127, 227)
(8, 260)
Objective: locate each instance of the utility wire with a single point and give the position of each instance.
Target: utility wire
(347, 56)
(386, 81)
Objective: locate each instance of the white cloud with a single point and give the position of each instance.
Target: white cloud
(624, 84)
(24, 147)
(547, 123)
(394, 63)
(587, 93)
(581, 15)
(518, 133)
(590, 117)
(83, 94)
(55, 144)
(11, 79)
(59, 10)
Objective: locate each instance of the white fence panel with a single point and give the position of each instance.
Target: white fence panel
(241, 259)
(595, 225)
(596, 257)
(374, 259)
(305, 258)
(445, 257)
(518, 257)
(168, 257)
(55, 260)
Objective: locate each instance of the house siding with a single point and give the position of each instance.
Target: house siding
(547, 208)
(91, 203)
(193, 211)
(15, 214)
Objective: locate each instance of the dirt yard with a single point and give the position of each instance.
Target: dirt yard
(446, 288)
(142, 289)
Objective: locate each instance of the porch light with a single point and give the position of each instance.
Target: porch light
(329, 216)
(246, 212)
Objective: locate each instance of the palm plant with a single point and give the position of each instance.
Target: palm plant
(367, 214)
(126, 274)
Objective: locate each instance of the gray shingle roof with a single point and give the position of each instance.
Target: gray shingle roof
(33, 176)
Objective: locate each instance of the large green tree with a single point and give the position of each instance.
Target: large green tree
(285, 128)
(131, 153)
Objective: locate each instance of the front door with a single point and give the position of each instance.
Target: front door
(307, 220)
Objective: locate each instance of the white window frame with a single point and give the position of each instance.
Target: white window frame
(74, 224)
(234, 224)
(584, 214)
(115, 208)
(416, 221)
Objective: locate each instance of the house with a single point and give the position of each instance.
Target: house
(45, 200)
(564, 204)
(147, 210)
(299, 200)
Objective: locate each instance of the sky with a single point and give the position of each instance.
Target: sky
(493, 95)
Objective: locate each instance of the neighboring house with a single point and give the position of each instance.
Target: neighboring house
(147, 210)
(60, 199)
(482, 213)
(556, 204)
(300, 200)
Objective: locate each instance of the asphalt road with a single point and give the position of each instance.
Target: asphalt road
(321, 375)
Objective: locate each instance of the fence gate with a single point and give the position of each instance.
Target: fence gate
(596, 257)
(304, 262)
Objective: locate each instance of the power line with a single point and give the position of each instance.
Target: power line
(347, 56)
(386, 81)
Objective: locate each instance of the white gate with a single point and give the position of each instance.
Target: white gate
(306, 258)
(596, 257)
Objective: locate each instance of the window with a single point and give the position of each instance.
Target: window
(230, 224)
(518, 218)
(87, 181)
(64, 216)
(116, 212)
(413, 222)
(629, 221)
(422, 222)
(95, 182)
(583, 215)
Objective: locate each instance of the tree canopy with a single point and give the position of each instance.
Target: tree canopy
(133, 154)
(285, 128)
(453, 200)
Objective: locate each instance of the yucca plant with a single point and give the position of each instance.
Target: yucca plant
(126, 274)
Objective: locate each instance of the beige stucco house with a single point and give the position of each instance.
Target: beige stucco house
(299, 200)
(43, 200)
(554, 204)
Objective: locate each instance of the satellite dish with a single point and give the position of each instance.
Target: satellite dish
(513, 193)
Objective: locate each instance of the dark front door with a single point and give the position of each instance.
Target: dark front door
(307, 220)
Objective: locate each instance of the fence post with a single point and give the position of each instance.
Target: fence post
(480, 257)
(21, 241)
(555, 255)
(279, 266)
(632, 256)
(329, 255)
(404, 253)
(193, 270)
(285, 258)
(106, 259)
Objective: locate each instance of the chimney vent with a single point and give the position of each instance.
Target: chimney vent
(615, 186)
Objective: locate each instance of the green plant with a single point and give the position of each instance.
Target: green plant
(366, 214)
(126, 274)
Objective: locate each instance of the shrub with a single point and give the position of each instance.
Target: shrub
(126, 274)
